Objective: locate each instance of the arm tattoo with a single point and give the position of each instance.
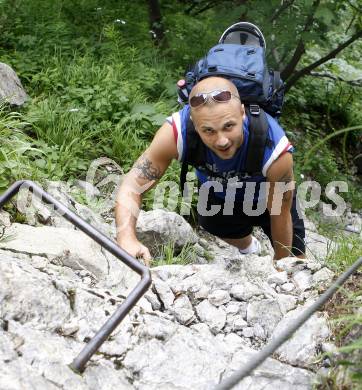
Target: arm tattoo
(147, 170)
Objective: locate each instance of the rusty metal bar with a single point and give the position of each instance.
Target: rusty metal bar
(93, 345)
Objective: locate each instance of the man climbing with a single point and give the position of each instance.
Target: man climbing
(219, 119)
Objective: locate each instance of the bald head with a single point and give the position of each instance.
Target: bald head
(211, 84)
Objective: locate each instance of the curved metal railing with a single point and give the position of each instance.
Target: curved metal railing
(101, 336)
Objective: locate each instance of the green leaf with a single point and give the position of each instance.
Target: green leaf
(158, 119)
(325, 14)
(40, 163)
(146, 109)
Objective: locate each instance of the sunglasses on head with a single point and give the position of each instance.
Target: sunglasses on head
(218, 96)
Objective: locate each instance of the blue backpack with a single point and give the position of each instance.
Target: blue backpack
(240, 57)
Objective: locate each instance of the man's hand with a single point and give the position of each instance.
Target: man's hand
(136, 249)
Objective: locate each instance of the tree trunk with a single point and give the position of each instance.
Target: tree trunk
(156, 26)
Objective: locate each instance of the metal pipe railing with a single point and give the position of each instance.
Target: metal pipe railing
(93, 345)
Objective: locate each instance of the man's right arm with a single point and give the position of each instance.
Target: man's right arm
(144, 174)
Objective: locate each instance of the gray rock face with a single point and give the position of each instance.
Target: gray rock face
(164, 292)
(11, 89)
(286, 302)
(157, 227)
(67, 248)
(303, 280)
(198, 323)
(62, 246)
(279, 278)
(270, 375)
(183, 310)
(184, 361)
(219, 297)
(318, 246)
(212, 316)
(302, 347)
(245, 291)
(323, 277)
(288, 287)
(265, 312)
(291, 264)
(24, 296)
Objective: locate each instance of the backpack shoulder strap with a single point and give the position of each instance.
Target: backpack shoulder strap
(258, 134)
(195, 152)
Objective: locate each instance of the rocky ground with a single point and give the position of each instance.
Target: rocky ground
(195, 326)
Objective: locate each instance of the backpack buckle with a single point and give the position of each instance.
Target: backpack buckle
(254, 109)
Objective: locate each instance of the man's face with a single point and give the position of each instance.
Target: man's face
(220, 126)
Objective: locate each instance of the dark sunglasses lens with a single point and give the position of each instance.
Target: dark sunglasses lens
(197, 100)
(223, 96)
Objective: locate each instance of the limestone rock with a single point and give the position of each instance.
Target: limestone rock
(158, 227)
(279, 278)
(183, 310)
(301, 348)
(248, 331)
(192, 329)
(323, 277)
(90, 189)
(269, 375)
(67, 247)
(233, 308)
(291, 264)
(265, 312)
(152, 298)
(164, 293)
(185, 361)
(303, 280)
(288, 287)
(4, 219)
(317, 246)
(286, 302)
(258, 267)
(11, 89)
(219, 297)
(245, 291)
(236, 322)
(25, 296)
(212, 316)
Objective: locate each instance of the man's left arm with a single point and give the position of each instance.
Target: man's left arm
(280, 198)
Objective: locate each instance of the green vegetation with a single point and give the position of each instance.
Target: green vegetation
(168, 255)
(99, 85)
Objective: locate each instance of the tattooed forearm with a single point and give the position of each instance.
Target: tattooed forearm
(146, 170)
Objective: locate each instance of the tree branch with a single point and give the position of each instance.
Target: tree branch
(351, 22)
(322, 60)
(209, 5)
(300, 49)
(354, 7)
(355, 83)
(280, 10)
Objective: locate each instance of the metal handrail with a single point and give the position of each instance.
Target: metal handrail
(104, 332)
(273, 345)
